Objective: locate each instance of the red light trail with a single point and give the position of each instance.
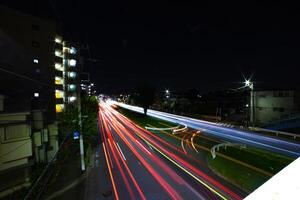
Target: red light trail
(162, 169)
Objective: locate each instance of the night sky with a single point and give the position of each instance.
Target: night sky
(178, 46)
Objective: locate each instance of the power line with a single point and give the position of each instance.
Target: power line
(22, 76)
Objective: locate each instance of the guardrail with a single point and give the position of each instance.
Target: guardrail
(275, 132)
(213, 149)
(161, 129)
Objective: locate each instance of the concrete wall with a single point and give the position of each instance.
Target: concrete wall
(272, 106)
(53, 140)
(1, 102)
(15, 146)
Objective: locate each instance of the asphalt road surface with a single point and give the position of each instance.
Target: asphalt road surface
(142, 165)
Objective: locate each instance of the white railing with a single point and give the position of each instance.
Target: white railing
(275, 132)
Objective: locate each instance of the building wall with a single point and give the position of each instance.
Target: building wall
(1, 102)
(27, 49)
(271, 106)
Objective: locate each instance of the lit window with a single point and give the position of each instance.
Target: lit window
(72, 99)
(72, 87)
(73, 50)
(72, 63)
(72, 74)
(36, 61)
(59, 107)
(59, 80)
(58, 53)
(58, 40)
(59, 94)
(58, 67)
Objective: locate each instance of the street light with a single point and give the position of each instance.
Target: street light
(249, 84)
(167, 93)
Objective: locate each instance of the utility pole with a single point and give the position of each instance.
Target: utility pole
(249, 84)
(81, 134)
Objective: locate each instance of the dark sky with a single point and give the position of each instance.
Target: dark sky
(182, 45)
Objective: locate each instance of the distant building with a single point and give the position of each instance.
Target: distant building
(271, 106)
(87, 87)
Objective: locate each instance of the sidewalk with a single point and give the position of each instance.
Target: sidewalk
(98, 184)
(68, 173)
(71, 183)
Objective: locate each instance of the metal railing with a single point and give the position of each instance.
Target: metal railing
(275, 132)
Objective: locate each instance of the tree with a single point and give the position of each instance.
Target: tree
(89, 113)
(69, 122)
(145, 96)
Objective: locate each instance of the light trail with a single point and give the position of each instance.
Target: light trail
(245, 137)
(192, 141)
(196, 178)
(182, 144)
(110, 174)
(144, 134)
(133, 179)
(168, 188)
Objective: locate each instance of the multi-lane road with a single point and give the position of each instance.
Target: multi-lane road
(142, 165)
(228, 134)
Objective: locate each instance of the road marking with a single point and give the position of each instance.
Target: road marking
(192, 175)
(121, 151)
(143, 147)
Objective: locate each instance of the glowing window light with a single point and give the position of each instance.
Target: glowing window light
(58, 40)
(58, 53)
(72, 50)
(58, 66)
(72, 63)
(72, 74)
(59, 94)
(59, 81)
(36, 61)
(59, 107)
(72, 87)
(72, 99)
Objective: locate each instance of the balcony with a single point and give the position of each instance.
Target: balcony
(59, 80)
(58, 73)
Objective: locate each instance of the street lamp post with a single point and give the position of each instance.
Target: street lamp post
(80, 131)
(249, 84)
